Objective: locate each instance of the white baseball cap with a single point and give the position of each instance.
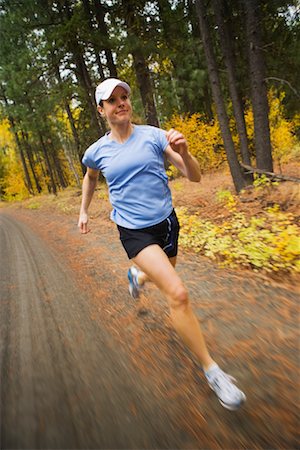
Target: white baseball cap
(105, 89)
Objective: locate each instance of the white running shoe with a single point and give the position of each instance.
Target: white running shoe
(229, 395)
(134, 287)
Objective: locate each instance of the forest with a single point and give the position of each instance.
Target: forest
(226, 73)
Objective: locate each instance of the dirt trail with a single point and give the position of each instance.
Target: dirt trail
(82, 366)
(63, 384)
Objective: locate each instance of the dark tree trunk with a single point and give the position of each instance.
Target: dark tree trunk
(31, 162)
(83, 76)
(70, 115)
(43, 167)
(28, 183)
(44, 150)
(222, 19)
(258, 86)
(238, 177)
(73, 128)
(140, 66)
(71, 165)
(85, 81)
(99, 11)
(145, 87)
(88, 13)
(208, 102)
(27, 180)
(60, 175)
(169, 31)
(48, 165)
(25, 168)
(193, 19)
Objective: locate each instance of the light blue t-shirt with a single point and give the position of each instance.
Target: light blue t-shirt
(136, 176)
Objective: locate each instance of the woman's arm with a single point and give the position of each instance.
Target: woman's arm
(178, 155)
(88, 188)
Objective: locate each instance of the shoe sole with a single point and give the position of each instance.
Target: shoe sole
(234, 407)
(230, 407)
(133, 291)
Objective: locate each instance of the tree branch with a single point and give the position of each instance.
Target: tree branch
(284, 81)
(270, 174)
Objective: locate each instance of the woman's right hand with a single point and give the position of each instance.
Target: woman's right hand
(83, 223)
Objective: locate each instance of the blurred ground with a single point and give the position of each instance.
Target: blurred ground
(251, 324)
(103, 371)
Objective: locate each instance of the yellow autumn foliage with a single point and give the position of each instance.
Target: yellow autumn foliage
(12, 182)
(11, 174)
(282, 131)
(62, 118)
(7, 140)
(204, 140)
(270, 243)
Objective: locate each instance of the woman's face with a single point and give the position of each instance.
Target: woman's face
(117, 108)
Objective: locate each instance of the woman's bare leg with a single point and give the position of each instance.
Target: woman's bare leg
(156, 265)
(143, 278)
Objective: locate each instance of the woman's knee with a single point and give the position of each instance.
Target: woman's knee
(178, 297)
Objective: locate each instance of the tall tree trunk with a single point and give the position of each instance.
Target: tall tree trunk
(28, 183)
(85, 81)
(193, 19)
(169, 33)
(43, 167)
(222, 18)
(27, 179)
(58, 169)
(100, 11)
(145, 87)
(71, 164)
(11, 120)
(44, 149)
(82, 74)
(48, 164)
(140, 65)
(208, 102)
(25, 168)
(235, 169)
(88, 13)
(31, 163)
(258, 86)
(69, 114)
(73, 128)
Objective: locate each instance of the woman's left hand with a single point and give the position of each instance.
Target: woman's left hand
(177, 141)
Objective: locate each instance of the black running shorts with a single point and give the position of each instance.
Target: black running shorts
(165, 234)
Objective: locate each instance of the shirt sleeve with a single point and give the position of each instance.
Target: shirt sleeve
(88, 159)
(161, 139)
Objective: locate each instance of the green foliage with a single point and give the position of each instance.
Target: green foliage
(269, 243)
(49, 60)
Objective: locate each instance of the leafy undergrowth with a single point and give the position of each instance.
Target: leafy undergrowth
(257, 230)
(270, 242)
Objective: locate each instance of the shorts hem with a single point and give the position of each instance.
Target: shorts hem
(164, 234)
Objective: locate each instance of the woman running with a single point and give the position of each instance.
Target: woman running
(131, 158)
